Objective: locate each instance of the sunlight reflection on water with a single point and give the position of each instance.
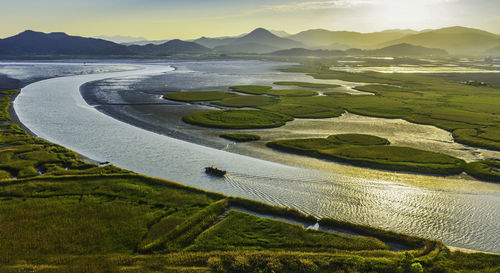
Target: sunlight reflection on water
(468, 220)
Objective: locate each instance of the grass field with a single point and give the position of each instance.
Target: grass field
(469, 112)
(371, 151)
(240, 137)
(308, 84)
(251, 89)
(267, 90)
(84, 218)
(398, 159)
(246, 101)
(237, 119)
(198, 96)
(358, 139)
(488, 170)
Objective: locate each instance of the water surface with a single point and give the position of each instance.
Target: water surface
(55, 110)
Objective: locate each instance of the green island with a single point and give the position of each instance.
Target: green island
(73, 216)
(237, 119)
(308, 84)
(371, 151)
(240, 137)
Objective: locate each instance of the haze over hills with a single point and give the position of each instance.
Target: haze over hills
(145, 42)
(258, 41)
(326, 39)
(395, 50)
(495, 52)
(119, 39)
(171, 47)
(213, 42)
(456, 40)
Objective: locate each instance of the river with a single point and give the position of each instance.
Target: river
(55, 110)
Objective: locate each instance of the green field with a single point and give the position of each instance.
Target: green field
(246, 101)
(80, 217)
(240, 137)
(265, 234)
(398, 159)
(358, 139)
(237, 119)
(251, 89)
(308, 84)
(198, 96)
(469, 112)
(488, 170)
(267, 90)
(371, 151)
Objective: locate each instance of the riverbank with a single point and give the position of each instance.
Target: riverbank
(311, 192)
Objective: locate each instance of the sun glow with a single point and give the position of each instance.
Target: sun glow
(407, 13)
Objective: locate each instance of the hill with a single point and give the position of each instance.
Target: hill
(30, 43)
(120, 39)
(308, 52)
(213, 42)
(258, 41)
(455, 40)
(172, 47)
(395, 50)
(407, 50)
(493, 52)
(322, 38)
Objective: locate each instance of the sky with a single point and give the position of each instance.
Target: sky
(188, 19)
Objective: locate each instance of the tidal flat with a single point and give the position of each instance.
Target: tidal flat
(343, 191)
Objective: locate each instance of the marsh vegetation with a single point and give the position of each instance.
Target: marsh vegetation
(469, 112)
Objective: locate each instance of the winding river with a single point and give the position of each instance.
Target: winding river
(55, 110)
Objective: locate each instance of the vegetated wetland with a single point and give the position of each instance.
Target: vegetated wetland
(62, 219)
(333, 193)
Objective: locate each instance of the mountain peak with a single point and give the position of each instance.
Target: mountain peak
(28, 32)
(261, 32)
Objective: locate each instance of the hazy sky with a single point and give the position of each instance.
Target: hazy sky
(163, 19)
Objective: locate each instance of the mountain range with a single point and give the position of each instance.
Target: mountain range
(32, 43)
(453, 40)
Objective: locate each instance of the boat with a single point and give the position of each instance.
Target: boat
(214, 171)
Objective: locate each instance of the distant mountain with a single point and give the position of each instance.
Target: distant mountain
(120, 39)
(213, 42)
(172, 47)
(258, 41)
(494, 52)
(407, 50)
(145, 42)
(322, 38)
(280, 33)
(29, 43)
(302, 52)
(395, 50)
(455, 40)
